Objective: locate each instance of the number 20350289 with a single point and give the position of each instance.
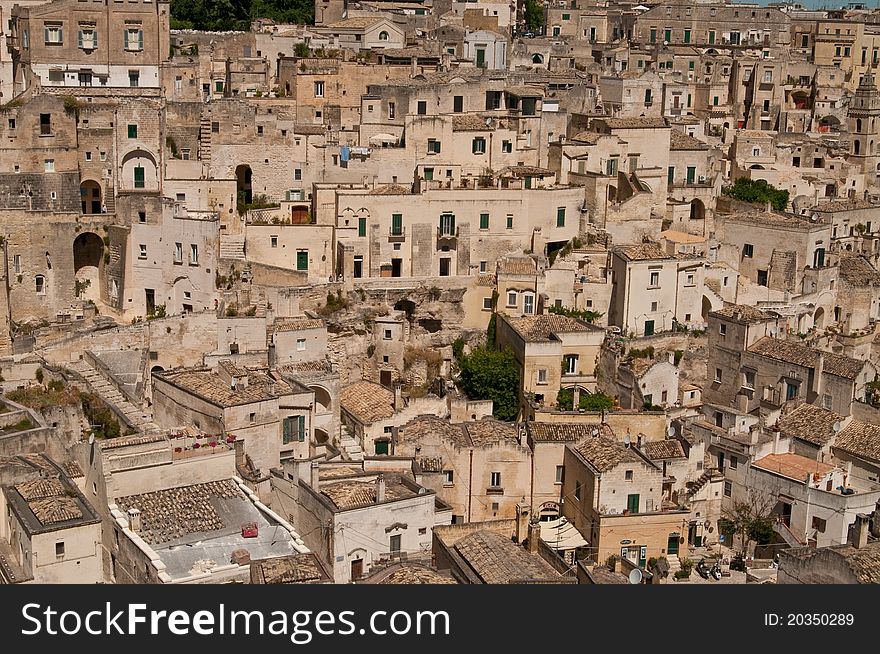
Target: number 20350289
(809, 619)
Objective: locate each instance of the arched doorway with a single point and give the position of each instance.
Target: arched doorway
(243, 181)
(706, 308)
(756, 167)
(156, 369)
(88, 254)
(323, 401)
(90, 196)
(537, 58)
(698, 209)
(819, 318)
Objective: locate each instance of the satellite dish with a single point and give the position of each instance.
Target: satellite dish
(626, 440)
(836, 426)
(670, 431)
(635, 576)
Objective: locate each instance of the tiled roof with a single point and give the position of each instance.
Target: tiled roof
(771, 219)
(681, 237)
(411, 573)
(470, 123)
(486, 279)
(524, 170)
(858, 271)
(589, 138)
(72, 469)
(353, 494)
(842, 366)
(367, 401)
(860, 439)
(298, 324)
(666, 449)
(604, 454)
(391, 189)
(808, 422)
(52, 510)
(792, 466)
(175, 512)
(562, 432)
(845, 205)
(210, 386)
(864, 562)
(744, 313)
(517, 266)
(40, 488)
(489, 430)
(293, 569)
(681, 141)
(497, 560)
(358, 22)
(644, 252)
(786, 351)
(126, 441)
(642, 122)
(538, 328)
(422, 427)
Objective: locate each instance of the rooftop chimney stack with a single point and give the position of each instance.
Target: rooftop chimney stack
(134, 520)
(860, 531)
(315, 475)
(534, 536)
(522, 521)
(380, 489)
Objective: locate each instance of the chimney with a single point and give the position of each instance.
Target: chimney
(860, 531)
(240, 557)
(315, 475)
(398, 398)
(380, 489)
(875, 521)
(522, 521)
(134, 520)
(534, 536)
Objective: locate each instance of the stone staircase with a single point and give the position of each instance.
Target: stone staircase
(674, 564)
(701, 481)
(205, 139)
(232, 247)
(136, 418)
(351, 450)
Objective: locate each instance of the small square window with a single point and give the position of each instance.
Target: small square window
(628, 475)
(59, 549)
(142, 216)
(300, 344)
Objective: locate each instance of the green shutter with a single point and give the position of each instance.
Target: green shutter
(79, 39)
(670, 175)
(132, 131)
(301, 428)
(510, 222)
(140, 39)
(560, 217)
(484, 221)
(397, 224)
(362, 226)
(139, 177)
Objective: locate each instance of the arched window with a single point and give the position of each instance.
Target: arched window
(858, 124)
(856, 146)
(537, 58)
(40, 284)
(383, 35)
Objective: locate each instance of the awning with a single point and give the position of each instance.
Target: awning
(560, 534)
(383, 138)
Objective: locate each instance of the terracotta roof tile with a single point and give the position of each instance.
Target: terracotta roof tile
(808, 422)
(860, 439)
(539, 328)
(665, 449)
(367, 401)
(604, 454)
(792, 466)
(497, 560)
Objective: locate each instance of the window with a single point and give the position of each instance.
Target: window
(509, 221)
(40, 284)
(193, 254)
(728, 489)
(387, 335)
(577, 490)
(511, 299)
(49, 165)
(447, 224)
(383, 35)
(87, 38)
(560, 474)
(433, 146)
(827, 401)
(484, 221)
(132, 131)
(397, 224)
(542, 376)
(711, 37)
(479, 145)
(134, 78)
(733, 462)
(722, 329)
(16, 263)
(819, 524)
(528, 303)
(632, 503)
(178, 253)
(448, 477)
(88, 156)
(293, 429)
(59, 549)
(560, 217)
(628, 475)
(653, 35)
(748, 250)
(302, 260)
(791, 390)
(54, 34)
(570, 362)
(506, 146)
(654, 306)
(300, 345)
(422, 108)
(487, 304)
(142, 251)
(654, 279)
(611, 167)
(273, 241)
(484, 265)
(717, 375)
(139, 177)
(134, 38)
(319, 89)
(362, 226)
(687, 36)
(458, 103)
(749, 380)
(495, 480)
(762, 277)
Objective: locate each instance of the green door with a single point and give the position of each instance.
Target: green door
(691, 174)
(649, 328)
(672, 544)
(302, 260)
(481, 58)
(632, 503)
(381, 447)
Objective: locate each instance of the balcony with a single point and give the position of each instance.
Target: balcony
(396, 234)
(447, 233)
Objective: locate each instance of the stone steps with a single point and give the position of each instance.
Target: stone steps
(102, 387)
(674, 563)
(232, 247)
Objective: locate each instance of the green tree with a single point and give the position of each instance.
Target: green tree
(486, 374)
(587, 401)
(534, 15)
(757, 191)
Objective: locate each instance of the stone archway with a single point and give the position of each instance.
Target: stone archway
(819, 318)
(323, 400)
(698, 209)
(88, 256)
(91, 197)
